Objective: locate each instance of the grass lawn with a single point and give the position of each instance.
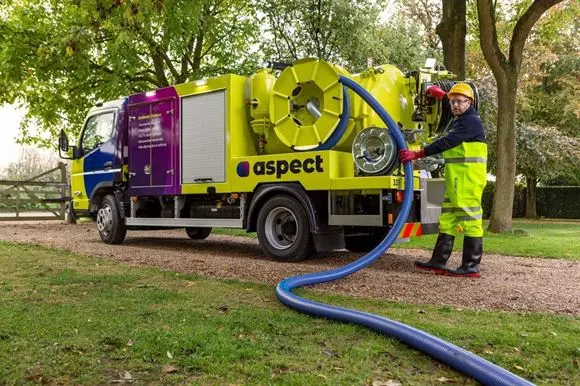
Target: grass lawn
(67, 318)
(544, 239)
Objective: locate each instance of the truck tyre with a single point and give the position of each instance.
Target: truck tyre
(365, 242)
(109, 222)
(197, 233)
(284, 229)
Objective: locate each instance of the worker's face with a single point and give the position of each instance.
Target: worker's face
(459, 104)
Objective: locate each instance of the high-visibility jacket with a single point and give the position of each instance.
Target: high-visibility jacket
(465, 178)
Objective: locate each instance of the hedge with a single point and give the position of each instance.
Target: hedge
(558, 201)
(551, 201)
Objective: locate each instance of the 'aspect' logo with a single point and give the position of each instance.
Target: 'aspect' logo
(281, 167)
(243, 169)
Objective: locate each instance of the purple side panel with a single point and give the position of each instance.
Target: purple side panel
(154, 143)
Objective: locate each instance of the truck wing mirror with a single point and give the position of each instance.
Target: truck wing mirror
(63, 141)
(63, 146)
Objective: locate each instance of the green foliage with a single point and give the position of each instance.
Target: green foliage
(340, 31)
(169, 328)
(60, 57)
(542, 153)
(401, 44)
(551, 95)
(423, 17)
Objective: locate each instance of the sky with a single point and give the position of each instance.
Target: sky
(10, 117)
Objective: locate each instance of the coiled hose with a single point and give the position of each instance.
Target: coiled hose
(462, 360)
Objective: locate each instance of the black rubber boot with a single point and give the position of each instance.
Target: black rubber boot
(441, 253)
(472, 251)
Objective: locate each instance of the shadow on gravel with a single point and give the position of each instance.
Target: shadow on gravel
(250, 249)
(208, 246)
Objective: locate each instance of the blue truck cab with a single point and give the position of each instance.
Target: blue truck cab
(99, 156)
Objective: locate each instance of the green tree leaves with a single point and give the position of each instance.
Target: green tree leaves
(59, 58)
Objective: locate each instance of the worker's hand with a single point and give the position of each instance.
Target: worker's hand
(409, 155)
(436, 91)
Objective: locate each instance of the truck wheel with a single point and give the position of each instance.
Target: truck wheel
(109, 222)
(284, 229)
(365, 242)
(197, 233)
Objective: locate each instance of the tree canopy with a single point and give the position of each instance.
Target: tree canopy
(60, 57)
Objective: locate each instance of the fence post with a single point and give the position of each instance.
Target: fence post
(62, 204)
(66, 208)
(17, 200)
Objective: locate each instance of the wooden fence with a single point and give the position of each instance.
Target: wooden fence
(42, 197)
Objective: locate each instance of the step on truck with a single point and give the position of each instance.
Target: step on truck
(288, 152)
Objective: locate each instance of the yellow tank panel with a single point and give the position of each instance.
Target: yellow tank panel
(389, 86)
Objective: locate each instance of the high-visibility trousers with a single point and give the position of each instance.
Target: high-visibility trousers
(465, 178)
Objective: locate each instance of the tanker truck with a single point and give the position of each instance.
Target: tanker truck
(289, 153)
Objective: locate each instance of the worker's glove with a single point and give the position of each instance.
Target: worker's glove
(436, 92)
(409, 155)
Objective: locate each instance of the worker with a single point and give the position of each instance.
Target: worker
(465, 153)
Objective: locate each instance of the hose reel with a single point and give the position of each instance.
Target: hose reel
(306, 104)
(374, 151)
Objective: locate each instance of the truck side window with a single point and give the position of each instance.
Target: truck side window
(98, 130)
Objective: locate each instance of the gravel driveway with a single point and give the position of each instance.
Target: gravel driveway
(507, 283)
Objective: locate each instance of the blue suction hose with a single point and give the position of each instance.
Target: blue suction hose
(342, 124)
(462, 360)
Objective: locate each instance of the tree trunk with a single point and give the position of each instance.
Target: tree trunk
(452, 30)
(531, 197)
(506, 73)
(503, 198)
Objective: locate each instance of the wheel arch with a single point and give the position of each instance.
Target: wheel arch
(98, 193)
(267, 191)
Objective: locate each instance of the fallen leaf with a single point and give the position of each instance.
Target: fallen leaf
(169, 369)
(169, 355)
(553, 333)
(421, 311)
(519, 367)
(445, 380)
(487, 352)
(124, 377)
(516, 349)
(390, 382)
(130, 342)
(330, 353)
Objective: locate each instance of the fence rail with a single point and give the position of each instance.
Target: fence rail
(34, 199)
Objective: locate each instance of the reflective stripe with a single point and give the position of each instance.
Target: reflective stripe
(464, 210)
(470, 217)
(465, 160)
